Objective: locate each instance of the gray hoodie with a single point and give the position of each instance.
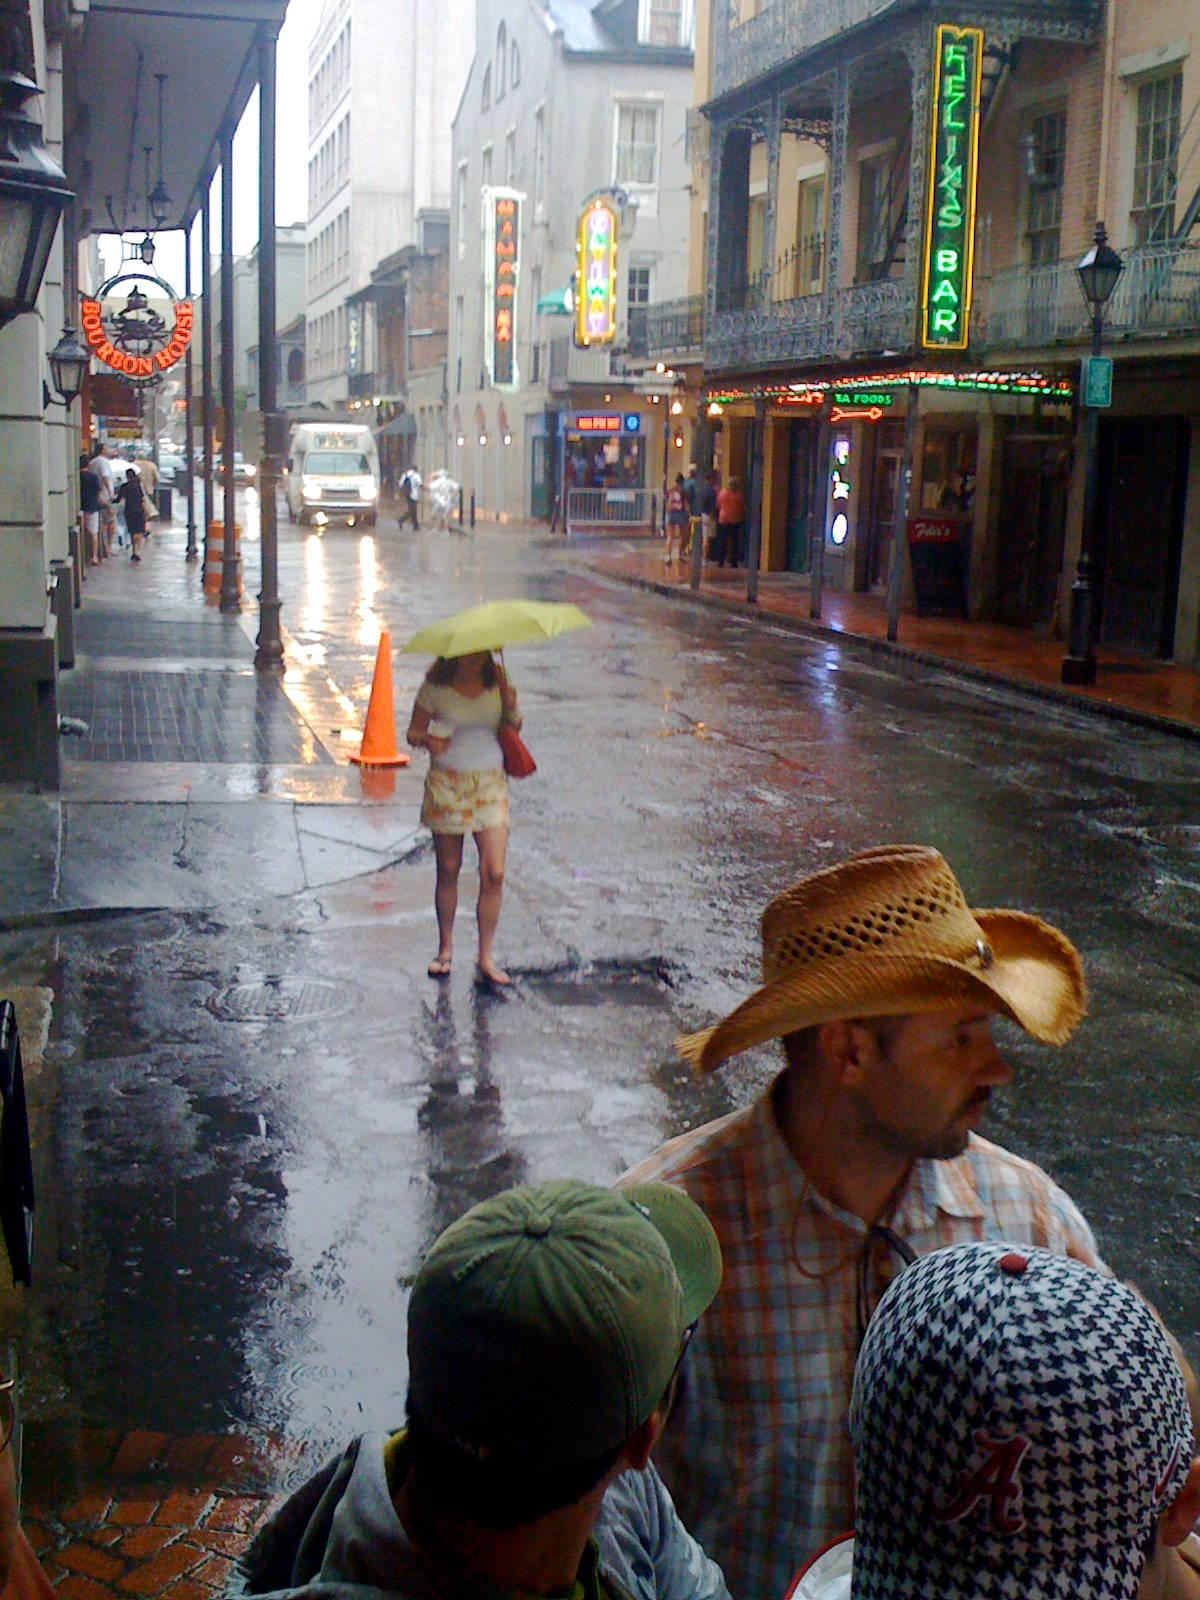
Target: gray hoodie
(338, 1538)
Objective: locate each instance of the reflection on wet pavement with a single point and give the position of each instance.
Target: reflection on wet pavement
(258, 1110)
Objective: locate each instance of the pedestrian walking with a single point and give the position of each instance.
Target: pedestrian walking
(708, 511)
(691, 494)
(131, 498)
(410, 490)
(89, 509)
(459, 710)
(544, 1331)
(106, 470)
(1021, 1427)
(731, 513)
(881, 983)
(677, 519)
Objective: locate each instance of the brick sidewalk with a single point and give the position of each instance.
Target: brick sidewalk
(152, 1515)
(1155, 693)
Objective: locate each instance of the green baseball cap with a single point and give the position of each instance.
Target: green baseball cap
(545, 1324)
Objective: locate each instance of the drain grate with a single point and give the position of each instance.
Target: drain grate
(282, 1000)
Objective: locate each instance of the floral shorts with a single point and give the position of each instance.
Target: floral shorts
(465, 802)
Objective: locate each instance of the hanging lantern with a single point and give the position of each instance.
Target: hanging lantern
(33, 193)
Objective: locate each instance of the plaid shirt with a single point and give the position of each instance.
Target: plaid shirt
(757, 1452)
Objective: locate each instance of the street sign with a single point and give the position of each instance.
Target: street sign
(1096, 386)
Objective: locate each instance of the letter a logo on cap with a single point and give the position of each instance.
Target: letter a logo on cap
(993, 1481)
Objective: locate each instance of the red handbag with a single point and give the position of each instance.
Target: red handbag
(518, 763)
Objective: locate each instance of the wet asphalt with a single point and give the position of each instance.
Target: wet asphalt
(257, 1109)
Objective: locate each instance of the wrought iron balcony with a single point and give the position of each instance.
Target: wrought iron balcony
(863, 319)
(667, 328)
(1158, 294)
(782, 30)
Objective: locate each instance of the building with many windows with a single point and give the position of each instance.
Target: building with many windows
(564, 102)
(882, 379)
(384, 77)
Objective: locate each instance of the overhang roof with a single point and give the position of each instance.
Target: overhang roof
(207, 48)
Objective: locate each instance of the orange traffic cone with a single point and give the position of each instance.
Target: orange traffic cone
(379, 736)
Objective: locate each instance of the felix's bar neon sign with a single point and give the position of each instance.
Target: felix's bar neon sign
(949, 256)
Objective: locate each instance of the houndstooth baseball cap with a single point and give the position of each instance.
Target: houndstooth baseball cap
(1019, 1424)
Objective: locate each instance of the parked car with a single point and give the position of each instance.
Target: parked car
(243, 471)
(172, 468)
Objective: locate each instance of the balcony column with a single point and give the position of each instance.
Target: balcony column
(269, 654)
(229, 551)
(919, 50)
(206, 361)
(774, 132)
(839, 132)
(188, 401)
(712, 242)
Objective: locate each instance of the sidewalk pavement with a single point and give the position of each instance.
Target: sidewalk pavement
(180, 727)
(1150, 693)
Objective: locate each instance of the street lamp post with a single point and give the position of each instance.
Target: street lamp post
(1097, 272)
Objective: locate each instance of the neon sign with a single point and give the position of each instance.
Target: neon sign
(948, 262)
(501, 272)
(1060, 390)
(597, 424)
(596, 253)
(134, 339)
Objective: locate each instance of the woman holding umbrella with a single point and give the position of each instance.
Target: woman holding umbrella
(459, 710)
(457, 716)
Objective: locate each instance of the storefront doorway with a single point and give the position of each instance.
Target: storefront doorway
(801, 445)
(1141, 509)
(1032, 524)
(888, 438)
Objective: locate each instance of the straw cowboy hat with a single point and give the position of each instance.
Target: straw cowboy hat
(889, 933)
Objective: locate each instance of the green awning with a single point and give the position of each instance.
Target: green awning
(560, 304)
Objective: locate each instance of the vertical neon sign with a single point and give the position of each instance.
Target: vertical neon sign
(501, 275)
(949, 258)
(596, 251)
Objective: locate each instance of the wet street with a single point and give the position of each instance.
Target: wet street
(256, 1108)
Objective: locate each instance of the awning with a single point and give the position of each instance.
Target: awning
(207, 50)
(402, 426)
(561, 304)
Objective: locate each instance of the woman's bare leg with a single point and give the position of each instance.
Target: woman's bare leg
(448, 850)
(492, 844)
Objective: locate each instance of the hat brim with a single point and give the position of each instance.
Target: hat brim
(1035, 978)
(690, 1241)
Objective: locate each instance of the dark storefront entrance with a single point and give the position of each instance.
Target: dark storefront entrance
(801, 446)
(1033, 514)
(1144, 461)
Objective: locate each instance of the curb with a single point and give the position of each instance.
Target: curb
(864, 644)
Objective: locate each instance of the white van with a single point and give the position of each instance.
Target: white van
(333, 471)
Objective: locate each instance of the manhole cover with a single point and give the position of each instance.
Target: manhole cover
(282, 1000)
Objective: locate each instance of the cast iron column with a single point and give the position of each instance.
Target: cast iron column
(269, 654)
(900, 517)
(229, 553)
(188, 397)
(206, 362)
(755, 505)
(819, 509)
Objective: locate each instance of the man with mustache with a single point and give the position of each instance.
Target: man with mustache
(881, 984)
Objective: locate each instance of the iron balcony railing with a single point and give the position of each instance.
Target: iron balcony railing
(1157, 294)
(745, 46)
(759, 324)
(666, 328)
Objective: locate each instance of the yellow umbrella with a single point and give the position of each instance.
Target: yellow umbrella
(496, 624)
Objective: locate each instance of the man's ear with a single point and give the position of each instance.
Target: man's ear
(642, 1440)
(1181, 1516)
(845, 1046)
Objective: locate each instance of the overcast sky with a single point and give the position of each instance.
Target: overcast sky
(291, 157)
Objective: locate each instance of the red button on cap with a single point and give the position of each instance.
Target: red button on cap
(1013, 1263)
